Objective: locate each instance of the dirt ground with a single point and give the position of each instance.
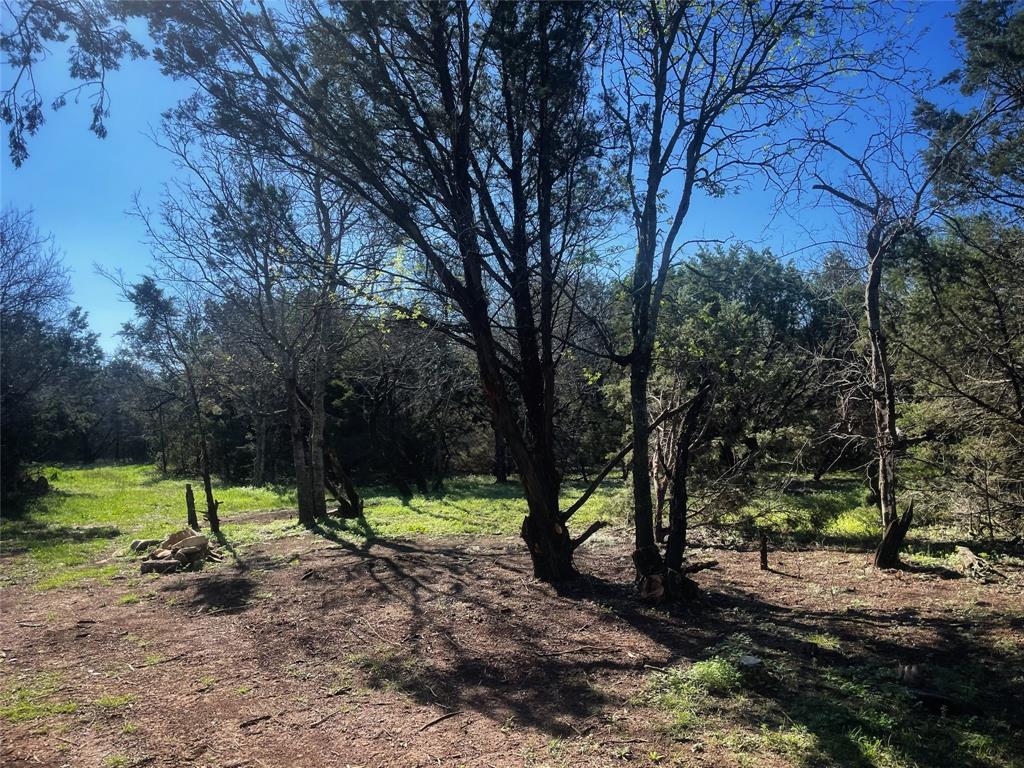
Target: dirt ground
(437, 652)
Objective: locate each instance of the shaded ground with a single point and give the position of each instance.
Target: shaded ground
(444, 651)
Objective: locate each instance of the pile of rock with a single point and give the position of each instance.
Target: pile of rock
(185, 550)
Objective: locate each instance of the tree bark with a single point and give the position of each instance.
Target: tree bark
(500, 457)
(204, 455)
(884, 406)
(350, 504)
(888, 553)
(190, 506)
(300, 455)
(318, 420)
(646, 555)
(678, 511)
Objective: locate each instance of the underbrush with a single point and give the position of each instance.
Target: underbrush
(830, 711)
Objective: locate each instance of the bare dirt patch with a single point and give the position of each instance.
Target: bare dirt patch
(444, 651)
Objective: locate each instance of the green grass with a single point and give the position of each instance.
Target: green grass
(77, 532)
(857, 715)
(832, 510)
(91, 513)
(472, 505)
(34, 700)
(114, 702)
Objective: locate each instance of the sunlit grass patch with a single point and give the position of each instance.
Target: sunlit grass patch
(95, 512)
(824, 640)
(685, 692)
(34, 700)
(66, 577)
(114, 701)
(473, 505)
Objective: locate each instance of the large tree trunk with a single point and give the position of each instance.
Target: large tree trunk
(888, 553)
(300, 456)
(646, 555)
(679, 501)
(547, 538)
(350, 504)
(318, 419)
(884, 405)
(500, 457)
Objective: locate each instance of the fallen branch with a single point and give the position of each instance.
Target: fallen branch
(437, 720)
(580, 649)
(699, 567)
(594, 528)
(325, 718)
(254, 720)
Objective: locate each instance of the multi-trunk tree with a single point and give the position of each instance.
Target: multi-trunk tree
(700, 97)
(280, 259)
(466, 129)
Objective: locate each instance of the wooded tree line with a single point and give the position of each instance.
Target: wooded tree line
(418, 239)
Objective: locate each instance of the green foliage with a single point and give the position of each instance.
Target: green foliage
(715, 675)
(112, 701)
(829, 510)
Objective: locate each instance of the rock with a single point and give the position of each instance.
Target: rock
(141, 545)
(160, 566)
(750, 662)
(192, 542)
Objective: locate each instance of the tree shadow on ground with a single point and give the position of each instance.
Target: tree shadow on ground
(829, 690)
(461, 624)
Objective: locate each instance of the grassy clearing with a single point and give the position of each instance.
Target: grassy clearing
(93, 512)
(75, 533)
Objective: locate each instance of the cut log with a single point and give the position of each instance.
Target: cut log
(975, 567)
(178, 536)
(200, 542)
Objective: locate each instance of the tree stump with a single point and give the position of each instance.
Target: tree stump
(888, 553)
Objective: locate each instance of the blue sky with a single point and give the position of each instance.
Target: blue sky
(80, 187)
